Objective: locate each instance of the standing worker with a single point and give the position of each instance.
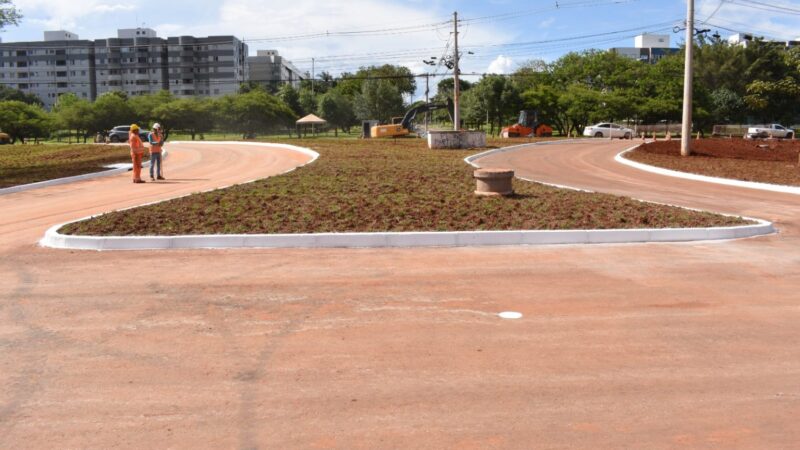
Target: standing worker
(137, 152)
(156, 140)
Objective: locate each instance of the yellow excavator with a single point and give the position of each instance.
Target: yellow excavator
(404, 127)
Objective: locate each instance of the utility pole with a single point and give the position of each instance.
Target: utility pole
(457, 84)
(312, 77)
(427, 100)
(686, 130)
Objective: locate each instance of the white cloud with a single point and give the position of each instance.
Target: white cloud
(59, 14)
(501, 65)
(101, 8)
(547, 22)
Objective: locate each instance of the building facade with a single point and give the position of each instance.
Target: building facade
(271, 70)
(60, 64)
(210, 66)
(647, 48)
(136, 62)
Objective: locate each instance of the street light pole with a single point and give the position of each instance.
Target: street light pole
(457, 84)
(686, 130)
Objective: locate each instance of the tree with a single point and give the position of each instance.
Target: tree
(8, 14)
(73, 113)
(193, 115)
(398, 76)
(144, 106)
(308, 101)
(497, 98)
(253, 112)
(21, 120)
(337, 110)
(291, 97)
(111, 109)
(7, 93)
(379, 100)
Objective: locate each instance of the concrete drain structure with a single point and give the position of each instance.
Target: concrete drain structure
(493, 181)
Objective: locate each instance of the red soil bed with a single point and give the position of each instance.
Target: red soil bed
(763, 161)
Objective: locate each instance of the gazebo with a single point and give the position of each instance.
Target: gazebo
(312, 120)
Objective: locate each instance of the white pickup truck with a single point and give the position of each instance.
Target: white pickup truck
(773, 130)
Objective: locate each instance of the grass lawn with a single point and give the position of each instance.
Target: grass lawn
(371, 185)
(23, 164)
(774, 162)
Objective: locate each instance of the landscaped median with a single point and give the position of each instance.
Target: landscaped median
(365, 193)
(762, 164)
(28, 166)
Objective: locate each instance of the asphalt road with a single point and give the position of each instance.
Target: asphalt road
(620, 346)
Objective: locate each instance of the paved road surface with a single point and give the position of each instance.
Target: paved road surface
(621, 346)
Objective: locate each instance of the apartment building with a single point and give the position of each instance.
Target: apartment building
(61, 63)
(209, 66)
(271, 70)
(136, 62)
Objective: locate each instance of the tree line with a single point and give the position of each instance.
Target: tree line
(733, 84)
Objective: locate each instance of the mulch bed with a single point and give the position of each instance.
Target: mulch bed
(23, 164)
(371, 186)
(765, 161)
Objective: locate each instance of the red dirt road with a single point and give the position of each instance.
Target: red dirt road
(624, 346)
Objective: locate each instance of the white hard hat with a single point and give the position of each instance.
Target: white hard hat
(156, 126)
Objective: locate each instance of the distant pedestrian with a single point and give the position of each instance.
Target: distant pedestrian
(156, 140)
(137, 152)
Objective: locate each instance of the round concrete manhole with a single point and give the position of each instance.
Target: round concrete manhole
(510, 315)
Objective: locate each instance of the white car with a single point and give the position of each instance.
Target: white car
(608, 130)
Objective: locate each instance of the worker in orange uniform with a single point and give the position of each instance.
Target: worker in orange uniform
(137, 152)
(156, 140)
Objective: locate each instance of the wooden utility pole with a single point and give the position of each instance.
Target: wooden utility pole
(457, 84)
(686, 130)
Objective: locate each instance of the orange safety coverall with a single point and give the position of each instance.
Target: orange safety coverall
(137, 152)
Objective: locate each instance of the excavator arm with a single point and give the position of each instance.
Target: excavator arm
(421, 109)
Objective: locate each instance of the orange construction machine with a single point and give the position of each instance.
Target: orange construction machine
(527, 126)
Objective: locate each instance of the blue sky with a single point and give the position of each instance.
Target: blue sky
(501, 34)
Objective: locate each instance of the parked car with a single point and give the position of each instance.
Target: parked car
(608, 130)
(4, 139)
(773, 130)
(120, 134)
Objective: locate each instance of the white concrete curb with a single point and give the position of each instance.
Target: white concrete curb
(412, 239)
(116, 169)
(620, 158)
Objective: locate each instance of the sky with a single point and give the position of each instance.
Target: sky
(495, 36)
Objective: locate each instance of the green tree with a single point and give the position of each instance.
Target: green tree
(497, 98)
(291, 97)
(22, 121)
(111, 109)
(73, 113)
(144, 107)
(378, 100)
(308, 101)
(337, 110)
(192, 115)
(9, 15)
(7, 93)
(253, 112)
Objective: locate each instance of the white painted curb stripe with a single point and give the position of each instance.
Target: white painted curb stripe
(118, 169)
(620, 158)
(411, 239)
